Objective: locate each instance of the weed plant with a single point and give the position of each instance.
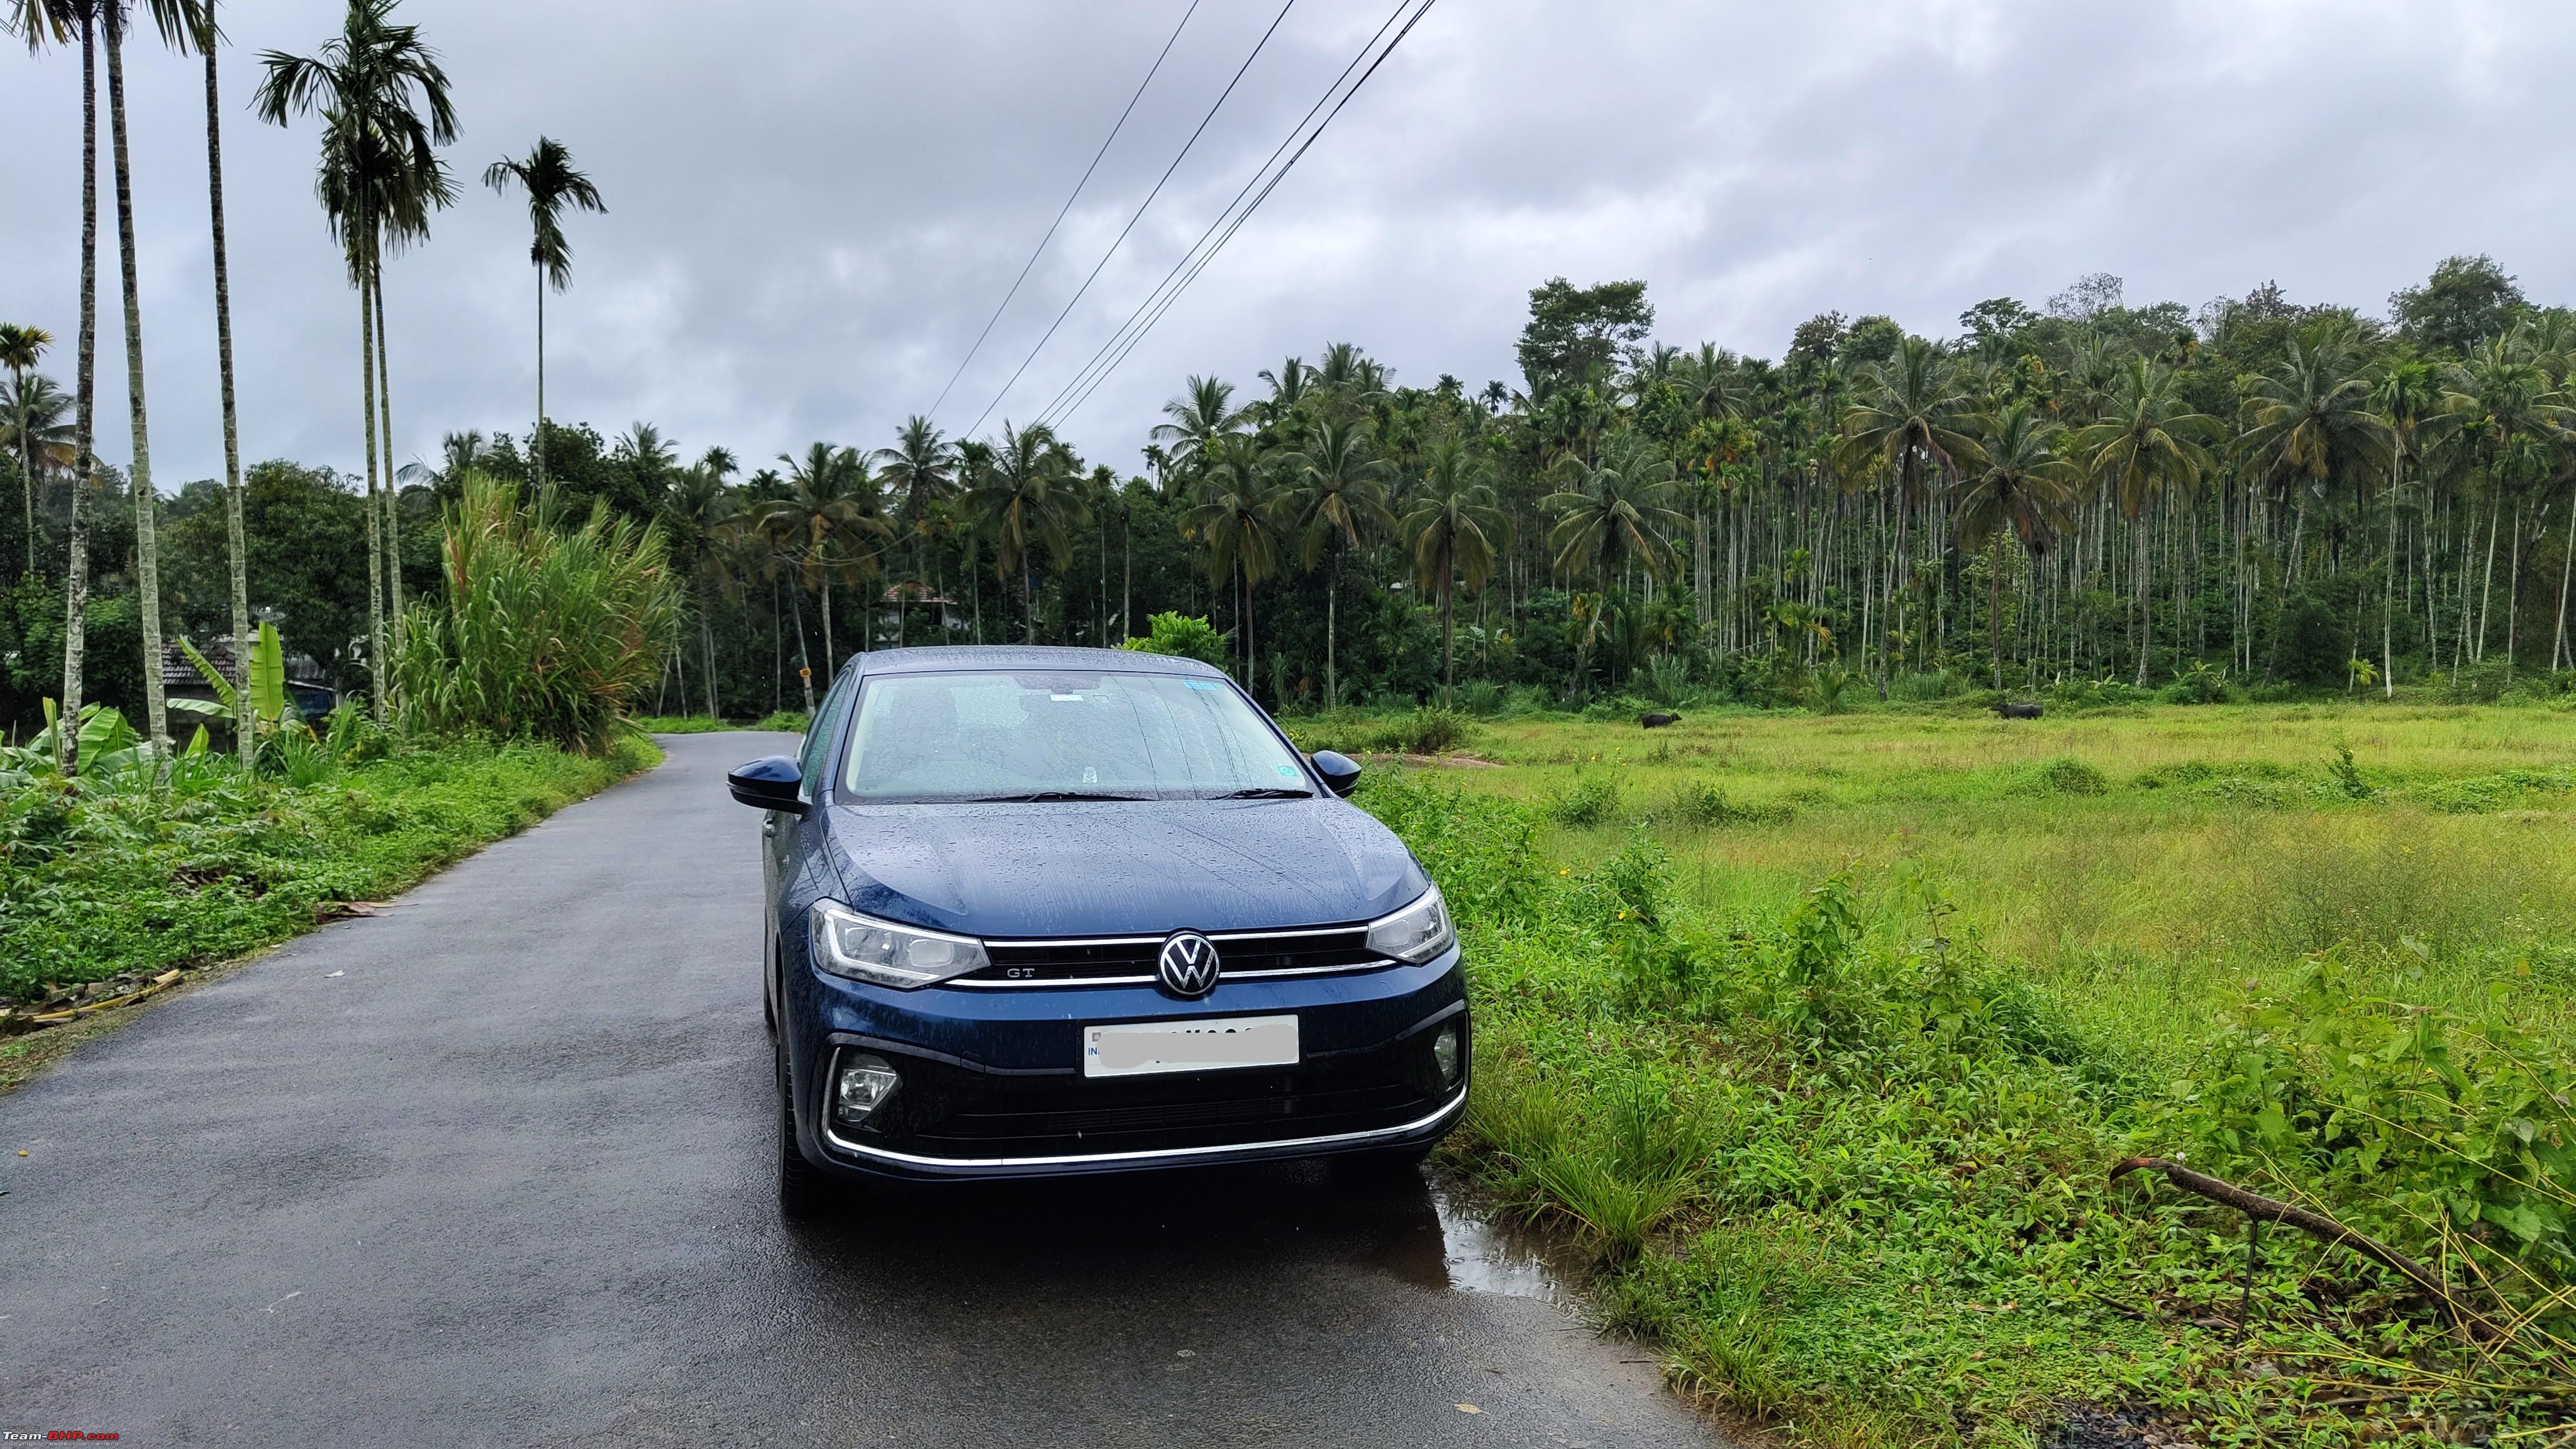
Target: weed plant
(112, 873)
(1850, 1170)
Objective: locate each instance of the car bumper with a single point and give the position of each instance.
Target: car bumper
(992, 1084)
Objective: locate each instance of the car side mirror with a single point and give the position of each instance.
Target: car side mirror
(771, 784)
(1341, 773)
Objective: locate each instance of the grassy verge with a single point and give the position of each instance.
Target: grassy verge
(122, 879)
(791, 721)
(1851, 1171)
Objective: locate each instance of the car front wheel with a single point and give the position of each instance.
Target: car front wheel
(804, 1190)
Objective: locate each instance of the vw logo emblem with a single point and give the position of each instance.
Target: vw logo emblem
(1187, 966)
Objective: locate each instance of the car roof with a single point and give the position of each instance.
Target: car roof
(1025, 656)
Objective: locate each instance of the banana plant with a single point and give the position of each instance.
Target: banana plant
(267, 684)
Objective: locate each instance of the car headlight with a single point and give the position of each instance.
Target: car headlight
(864, 948)
(1418, 933)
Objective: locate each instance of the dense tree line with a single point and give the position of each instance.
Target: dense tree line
(2257, 492)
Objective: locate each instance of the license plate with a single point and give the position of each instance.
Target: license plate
(1134, 1049)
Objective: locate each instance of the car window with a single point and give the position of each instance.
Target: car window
(993, 735)
(815, 757)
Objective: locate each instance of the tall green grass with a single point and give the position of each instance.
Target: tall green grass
(1850, 1167)
(543, 631)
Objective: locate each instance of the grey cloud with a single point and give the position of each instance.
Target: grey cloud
(811, 219)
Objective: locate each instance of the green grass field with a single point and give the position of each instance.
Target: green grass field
(2139, 865)
(1823, 1033)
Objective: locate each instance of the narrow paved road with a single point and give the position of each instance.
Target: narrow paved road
(492, 1169)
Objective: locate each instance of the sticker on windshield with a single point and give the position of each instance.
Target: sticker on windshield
(1286, 772)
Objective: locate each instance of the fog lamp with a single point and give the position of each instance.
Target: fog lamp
(1446, 1051)
(863, 1084)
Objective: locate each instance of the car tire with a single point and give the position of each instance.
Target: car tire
(804, 1190)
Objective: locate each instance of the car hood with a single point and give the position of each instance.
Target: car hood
(1089, 868)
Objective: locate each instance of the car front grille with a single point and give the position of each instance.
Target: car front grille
(947, 1110)
(1129, 960)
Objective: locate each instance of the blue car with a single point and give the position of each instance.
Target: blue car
(1034, 912)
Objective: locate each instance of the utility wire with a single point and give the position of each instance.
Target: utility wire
(1067, 208)
(1101, 374)
(1120, 340)
(1139, 216)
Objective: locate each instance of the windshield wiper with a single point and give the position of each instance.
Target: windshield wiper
(1265, 792)
(1045, 797)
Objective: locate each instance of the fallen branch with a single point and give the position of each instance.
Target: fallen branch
(2272, 1210)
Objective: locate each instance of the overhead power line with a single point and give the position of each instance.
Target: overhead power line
(1067, 208)
(1257, 48)
(1123, 342)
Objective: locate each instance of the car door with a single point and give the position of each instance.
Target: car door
(784, 837)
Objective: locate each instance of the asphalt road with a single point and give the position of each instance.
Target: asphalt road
(493, 1169)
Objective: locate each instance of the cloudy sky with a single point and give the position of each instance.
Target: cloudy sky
(812, 218)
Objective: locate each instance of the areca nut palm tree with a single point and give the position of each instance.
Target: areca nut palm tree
(385, 107)
(209, 39)
(21, 348)
(547, 174)
(2024, 488)
(1236, 519)
(55, 21)
(2148, 447)
(1453, 527)
(1028, 496)
(1336, 485)
(2408, 397)
(180, 23)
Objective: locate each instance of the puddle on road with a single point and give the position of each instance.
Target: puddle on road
(1485, 1252)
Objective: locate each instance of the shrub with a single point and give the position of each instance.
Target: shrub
(2067, 775)
(542, 632)
(1483, 698)
(1591, 800)
(1425, 732)
(1183, 636)
(790, 721)
(1702, 803)
(1828, 688)
(2200, 684)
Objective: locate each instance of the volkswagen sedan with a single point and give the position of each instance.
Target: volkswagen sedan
(1045, 911)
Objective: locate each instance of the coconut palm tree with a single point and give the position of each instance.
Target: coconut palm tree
(2510, 414)
(1453, 528)
(1335, 485)
(384, 103)
(1026, 497)
(706, 508)
(1236, 518)
(546, 173)
(54, 21)
(1908, 422)
(1202, 414)
(1614, 513)
(826, 528)
(21, 348)
(2148, 447)
(917, 472)
(2024, 488)
(33, 428)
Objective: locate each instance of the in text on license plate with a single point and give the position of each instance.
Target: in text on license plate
(1132, 1049)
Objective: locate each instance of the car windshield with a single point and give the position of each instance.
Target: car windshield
(1029, 736)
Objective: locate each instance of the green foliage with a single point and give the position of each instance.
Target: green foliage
(114, 874)
(1184, 636)
(1850, 1172)
(2067, 775)
(1703, 804)
(2347, 776)
(542, 632)
(1591, 800)
(786, 721)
